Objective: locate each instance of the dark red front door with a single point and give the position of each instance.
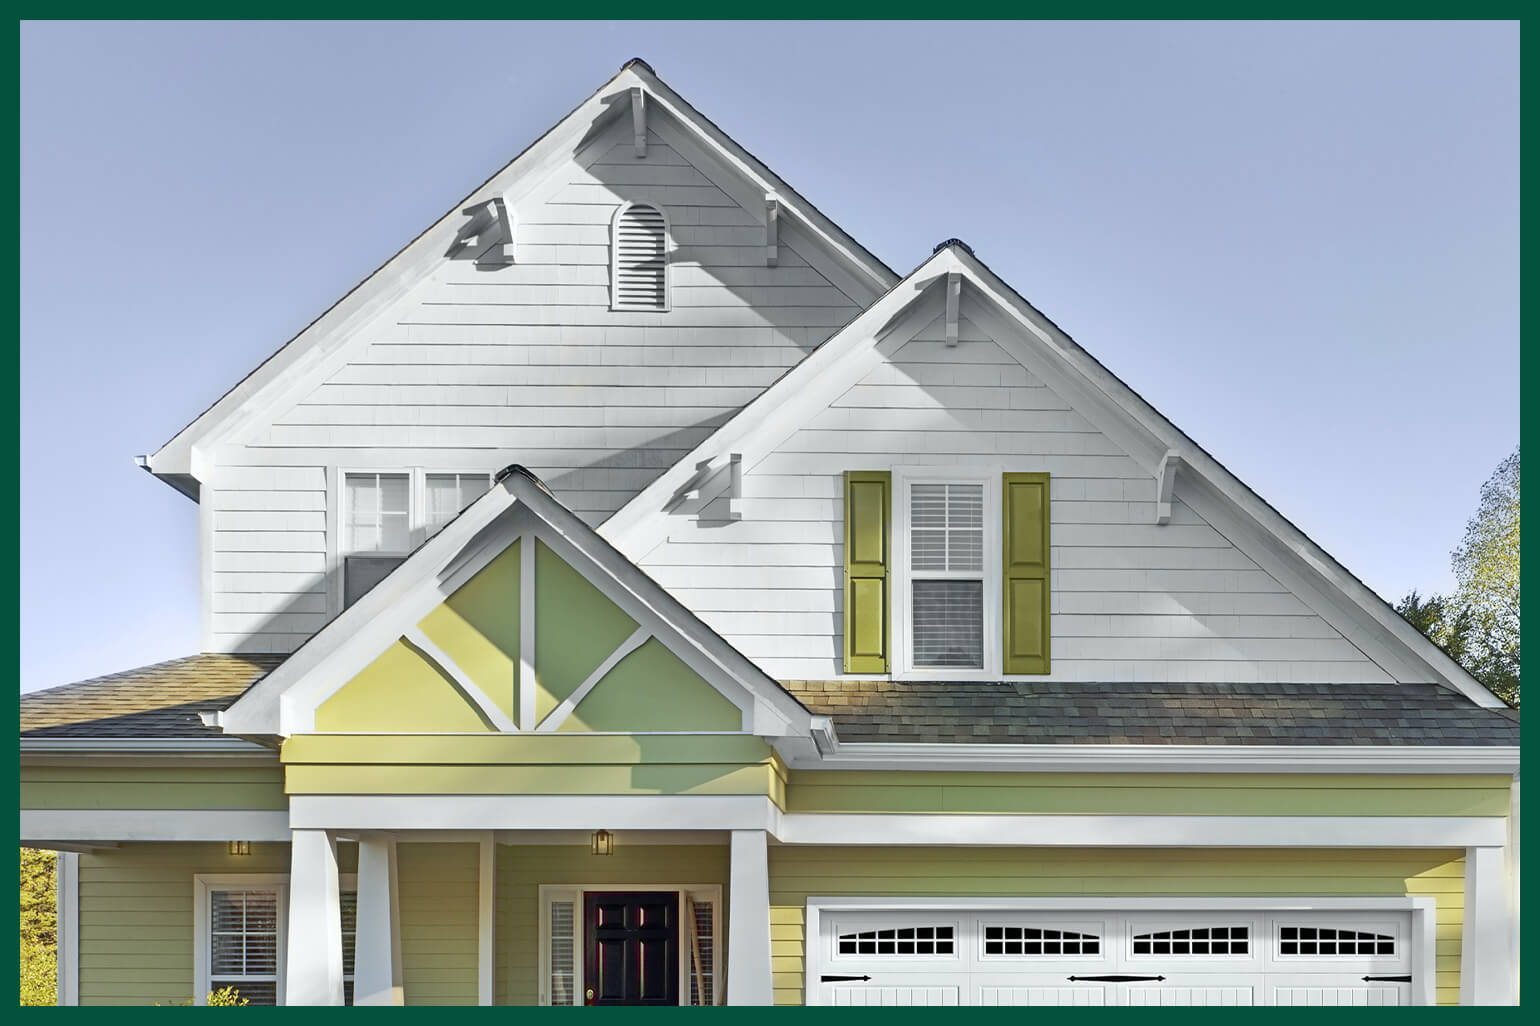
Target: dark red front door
(632, 946)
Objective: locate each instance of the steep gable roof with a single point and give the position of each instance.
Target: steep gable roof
(397, 611)
(1147, 437)
(840, 257)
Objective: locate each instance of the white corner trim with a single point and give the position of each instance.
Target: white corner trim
(89, 825)
(1057, 831)
(486, 916)
(67, 889)
(1163, 758)
(425, 647)
(559, 715)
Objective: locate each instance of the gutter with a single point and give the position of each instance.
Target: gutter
(175, 747)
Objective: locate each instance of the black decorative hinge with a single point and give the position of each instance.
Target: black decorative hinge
(1389, 979)
(841, 979)
(1116, 979)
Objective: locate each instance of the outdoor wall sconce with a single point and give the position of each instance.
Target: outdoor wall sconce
(240, 847)
(603, 842)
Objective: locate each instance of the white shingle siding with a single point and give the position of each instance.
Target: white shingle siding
(1131, 600)
(526, 363)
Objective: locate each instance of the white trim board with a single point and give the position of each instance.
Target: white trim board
(87, 825)
(67, 930)
(343, 813)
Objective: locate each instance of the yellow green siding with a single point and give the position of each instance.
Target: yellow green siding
(652, 689)
(1119, 794)
(533, 764)
(522, 869)
(796, 873)
(576, 627)
(84, 785)
(439, 922)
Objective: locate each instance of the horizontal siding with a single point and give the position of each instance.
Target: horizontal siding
(1131, 601)
(478, 368)
(152, 787)
(797, 873)
(522, 869)
(440, 911)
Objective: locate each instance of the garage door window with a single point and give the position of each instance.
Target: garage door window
(1199, 940)
(902, 940)
(1317, 941)
(1034, 942)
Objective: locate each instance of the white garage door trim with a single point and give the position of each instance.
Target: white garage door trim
(1422, 914)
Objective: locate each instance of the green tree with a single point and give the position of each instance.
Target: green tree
(39, 928)
(1478, 625)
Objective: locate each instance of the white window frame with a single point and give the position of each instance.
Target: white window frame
(668, 258)
(574, 893)
(904, 478)
(417, 517)
(203, 883)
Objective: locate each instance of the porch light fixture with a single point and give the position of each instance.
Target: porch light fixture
(240, 847)
(603, 842)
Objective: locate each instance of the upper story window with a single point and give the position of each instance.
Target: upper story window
(947, 582)
(639, 258)
(386, 515)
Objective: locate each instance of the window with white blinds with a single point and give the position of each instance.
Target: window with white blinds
(946, 575)
(563, 959)
(702, 951)
(244, 943)
(639, 259)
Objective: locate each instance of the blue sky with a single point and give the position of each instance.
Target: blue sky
(1299, 241)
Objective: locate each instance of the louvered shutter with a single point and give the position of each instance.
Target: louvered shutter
(868, 520)
(1024, 586)
(639, 276)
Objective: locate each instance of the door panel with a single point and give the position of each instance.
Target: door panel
(632, 948)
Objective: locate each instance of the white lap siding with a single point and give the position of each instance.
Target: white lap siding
(1130, 600)
(478, 368)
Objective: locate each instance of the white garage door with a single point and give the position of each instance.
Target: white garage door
(931, 957)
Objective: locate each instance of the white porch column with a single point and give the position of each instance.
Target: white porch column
(1485, 962)
(748, 921)
(377, 947)
(313, 974)
(486, 917)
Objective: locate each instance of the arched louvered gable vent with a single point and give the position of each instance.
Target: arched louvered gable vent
(639, 259)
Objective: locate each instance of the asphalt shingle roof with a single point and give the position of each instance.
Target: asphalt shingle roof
(161, 700)
(1155, 714)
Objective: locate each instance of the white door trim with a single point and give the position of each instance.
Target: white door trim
(1424, 911)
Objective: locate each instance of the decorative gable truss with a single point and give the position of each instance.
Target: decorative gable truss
(518, 618)
(955, 287)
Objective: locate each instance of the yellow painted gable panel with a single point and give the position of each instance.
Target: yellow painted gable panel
(399, 692)
(576, 628)
(652, 689)
(478, 627)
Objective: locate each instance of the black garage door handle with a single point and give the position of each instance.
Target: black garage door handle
(841, 979)
(1389, 979)
(1116, 979)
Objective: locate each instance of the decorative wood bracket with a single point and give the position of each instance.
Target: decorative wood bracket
(772, 229)
(1165, 482)
(708, 484)
(953, 306)
(639, 120)
(488, 238)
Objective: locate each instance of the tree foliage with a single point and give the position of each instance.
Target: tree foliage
(39, 928)
(1478, 625)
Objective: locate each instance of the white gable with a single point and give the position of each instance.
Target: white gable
(1131, 600)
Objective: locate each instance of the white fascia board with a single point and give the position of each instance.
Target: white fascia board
(985, 758)
(88, 825)
(755, 431)
(533, 812)
(1075, 831)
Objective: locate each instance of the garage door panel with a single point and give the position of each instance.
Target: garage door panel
(1197, 991)
(1042, 996)
(1330, 991)
(939, 992)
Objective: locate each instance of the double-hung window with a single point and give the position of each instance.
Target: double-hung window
(240, 931)
(386, 515)
(946, 544)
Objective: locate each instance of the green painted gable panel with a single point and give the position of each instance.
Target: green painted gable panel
(399, 692)
(478, 627)
(576, 628)
(652, 689)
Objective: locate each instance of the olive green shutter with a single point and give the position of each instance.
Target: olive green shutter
(867, 530)
(1024, 586)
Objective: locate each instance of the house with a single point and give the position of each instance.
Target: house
(636, 592)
